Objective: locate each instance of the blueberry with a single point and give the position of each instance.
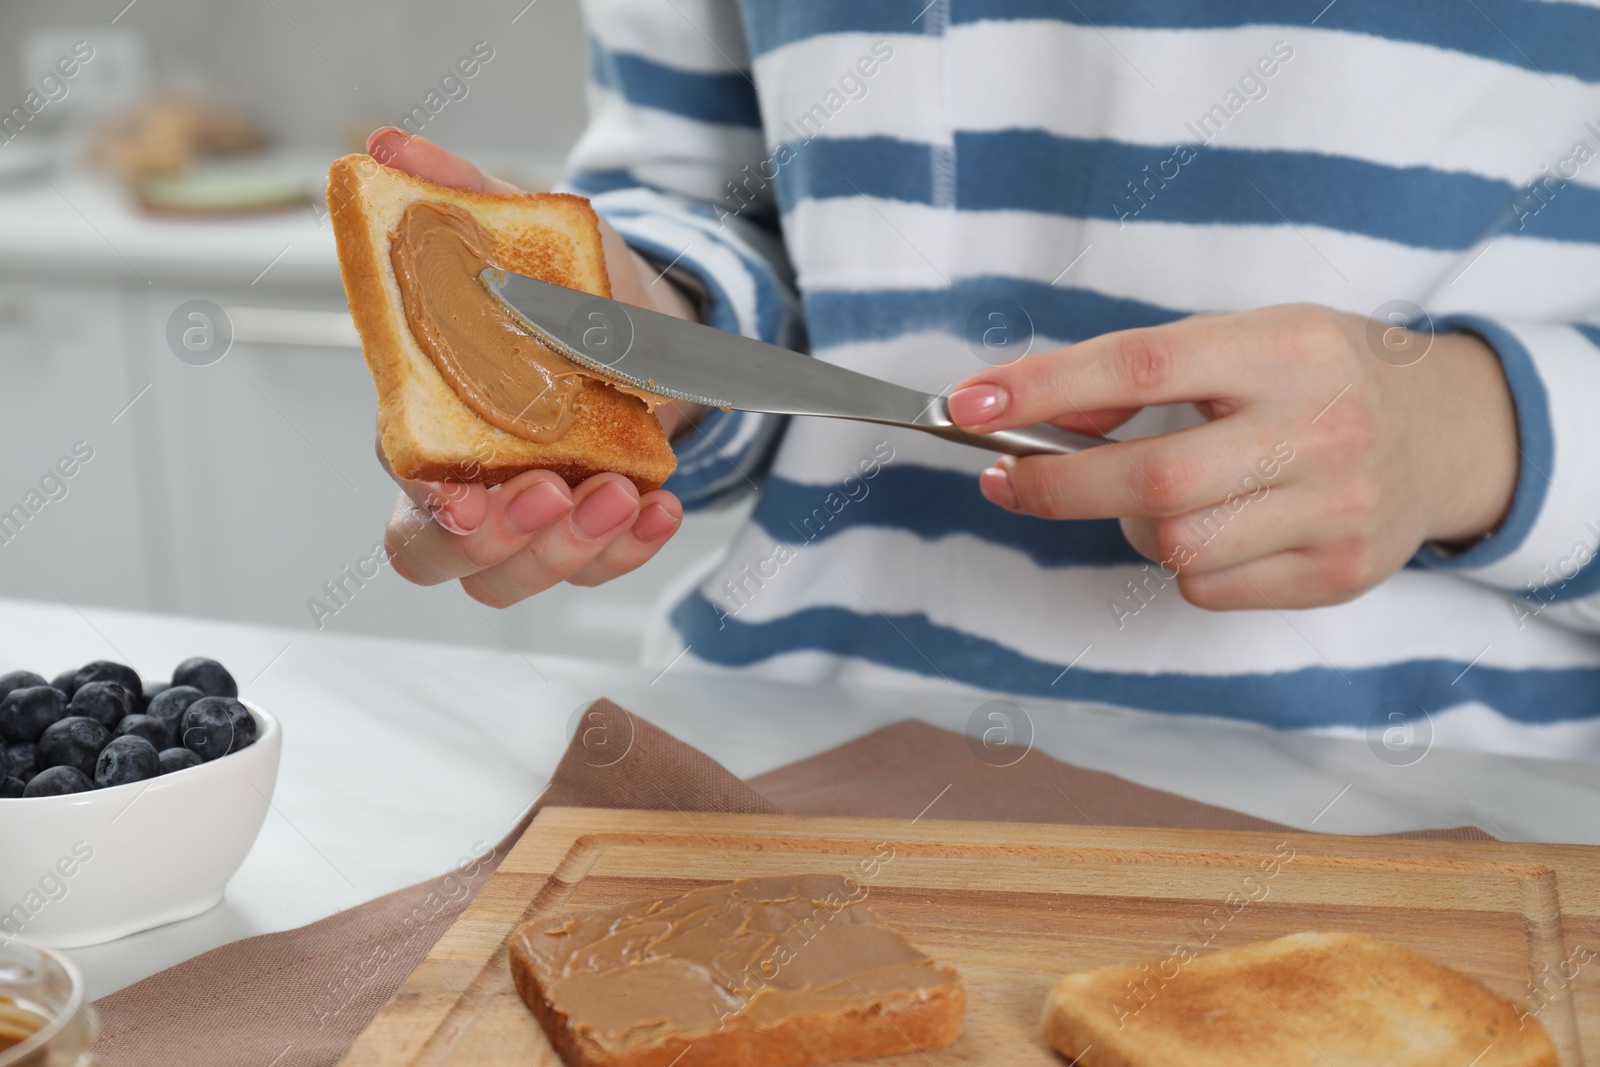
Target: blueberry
(177, 759)
(148, 727)
(206, 675)
(103, 670)
(24, 713)
(169, 706)
(64, 681)
(151, 691)
(105, 702)
(58, 781)
(125, 759)
(244, 726)
(216, 726)
(19, 680)
(24, 760)
(72, 742)
(12, 788)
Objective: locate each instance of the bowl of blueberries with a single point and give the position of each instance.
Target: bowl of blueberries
(125, 804)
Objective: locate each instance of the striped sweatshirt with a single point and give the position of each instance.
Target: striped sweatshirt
(910, 188)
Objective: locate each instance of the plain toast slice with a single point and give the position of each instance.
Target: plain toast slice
(1306, 1000)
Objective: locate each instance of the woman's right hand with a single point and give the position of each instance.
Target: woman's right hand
(510, 541)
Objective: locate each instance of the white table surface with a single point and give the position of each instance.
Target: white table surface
(399, 758)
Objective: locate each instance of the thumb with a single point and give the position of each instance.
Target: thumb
(421, 158)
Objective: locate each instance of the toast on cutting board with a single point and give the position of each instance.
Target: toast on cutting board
(767, 972)
(1307, 999)
(429, 428)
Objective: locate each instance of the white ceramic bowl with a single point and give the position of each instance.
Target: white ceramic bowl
(90, 867)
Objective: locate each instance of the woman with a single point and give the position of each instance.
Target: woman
(1204, 228)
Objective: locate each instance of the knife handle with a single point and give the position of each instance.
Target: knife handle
(1038, 439)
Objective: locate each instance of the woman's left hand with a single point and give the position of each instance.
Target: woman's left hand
(1320, 471)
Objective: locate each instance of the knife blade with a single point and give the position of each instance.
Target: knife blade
(688, 361)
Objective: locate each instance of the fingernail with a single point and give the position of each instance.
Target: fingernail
(603, 511)
(536, 507)
(440, 496)
(995, 484)
(977, 404)
(443, 517)
(655, 521)
(375, 146)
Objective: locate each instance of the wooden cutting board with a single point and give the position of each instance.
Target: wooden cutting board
(1013, 906)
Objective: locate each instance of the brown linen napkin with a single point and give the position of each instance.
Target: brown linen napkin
(301, 997)
(908, 765)
(911, 768)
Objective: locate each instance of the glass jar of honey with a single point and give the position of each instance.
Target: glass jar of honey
(45, 1020)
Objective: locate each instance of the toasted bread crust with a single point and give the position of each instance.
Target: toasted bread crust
(924, 1022)
(1308, 998)
(427, 433)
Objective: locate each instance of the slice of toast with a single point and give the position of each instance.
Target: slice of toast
(1308, 999)
(427, 432)
(765, 972)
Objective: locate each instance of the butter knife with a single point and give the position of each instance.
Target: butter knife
(688, 361)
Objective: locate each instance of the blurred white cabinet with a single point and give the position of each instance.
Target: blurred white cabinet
(269, 482)
(72, 487)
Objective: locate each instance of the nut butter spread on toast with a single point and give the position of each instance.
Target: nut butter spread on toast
(494, 365)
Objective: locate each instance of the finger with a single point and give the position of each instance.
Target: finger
(1327, 573)
(459, 507)
(660, 515)
(606, 506)
(621, 268)
(1190, 360)
(1151, 477)
(420, 157)
(427, 553)
(1229, 533)
(1287, 581)
(637, 281)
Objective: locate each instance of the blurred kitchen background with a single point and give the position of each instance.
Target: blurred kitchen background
(165, 158)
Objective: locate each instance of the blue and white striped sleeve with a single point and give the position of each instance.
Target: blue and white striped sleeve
(674, 125)
(1545, 552)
